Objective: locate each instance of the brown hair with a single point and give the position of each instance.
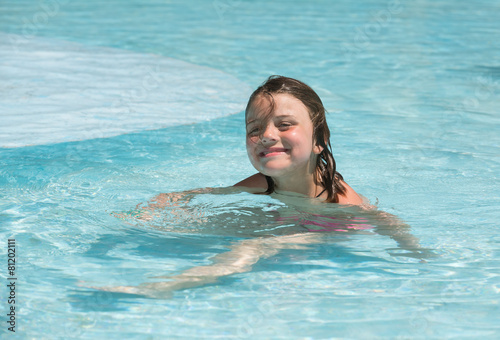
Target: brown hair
(325, 173)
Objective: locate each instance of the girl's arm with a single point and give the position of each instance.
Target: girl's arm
(156, 205)
(241, 257)
(390, 225)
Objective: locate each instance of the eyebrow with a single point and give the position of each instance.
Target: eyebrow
(279, 116)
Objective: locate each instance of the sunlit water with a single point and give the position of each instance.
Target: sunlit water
(413, 95)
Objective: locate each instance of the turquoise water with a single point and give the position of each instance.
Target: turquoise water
(105, 105)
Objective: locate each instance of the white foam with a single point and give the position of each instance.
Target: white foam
(58, 91)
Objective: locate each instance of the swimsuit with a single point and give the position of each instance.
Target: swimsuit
(321, 193)
(328, 223)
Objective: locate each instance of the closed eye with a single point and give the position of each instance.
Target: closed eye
(284, 125)
(253, 132)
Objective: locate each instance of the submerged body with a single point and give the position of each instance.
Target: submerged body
(284, 222)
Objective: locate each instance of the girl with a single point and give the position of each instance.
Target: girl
(288, 142)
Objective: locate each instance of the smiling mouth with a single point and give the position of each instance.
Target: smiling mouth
(272, 152)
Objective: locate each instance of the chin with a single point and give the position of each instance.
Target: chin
(271, 168)
(273, 171)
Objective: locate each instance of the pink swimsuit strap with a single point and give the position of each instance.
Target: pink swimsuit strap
(337, 225)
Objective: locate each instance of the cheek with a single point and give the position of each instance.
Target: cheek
(298, 139)
(301, 144)
(250, 149)
(250, 145)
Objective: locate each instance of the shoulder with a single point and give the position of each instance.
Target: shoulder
(350, 196)
(255, 181)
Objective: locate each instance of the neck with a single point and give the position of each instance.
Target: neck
(300, 184)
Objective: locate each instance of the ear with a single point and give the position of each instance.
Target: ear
(317, 149)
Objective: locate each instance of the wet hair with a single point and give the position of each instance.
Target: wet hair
(325, 173)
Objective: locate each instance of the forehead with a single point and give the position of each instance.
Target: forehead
(262, 108)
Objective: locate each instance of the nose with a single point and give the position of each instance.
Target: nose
(269, 136)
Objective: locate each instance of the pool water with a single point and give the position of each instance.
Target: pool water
(105, 105)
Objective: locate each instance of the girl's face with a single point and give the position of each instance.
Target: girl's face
(281, 144)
